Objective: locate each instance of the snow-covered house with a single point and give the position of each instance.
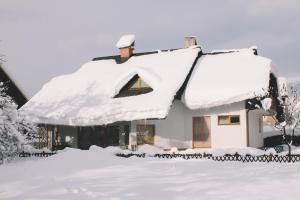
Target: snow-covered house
(13, 89)
(182, 97)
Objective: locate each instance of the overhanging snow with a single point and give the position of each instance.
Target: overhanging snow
(226, 78)
(86, 97)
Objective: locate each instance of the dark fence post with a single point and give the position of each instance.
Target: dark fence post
(270, 157)
(42, 154)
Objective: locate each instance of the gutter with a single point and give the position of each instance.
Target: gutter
(247, 127)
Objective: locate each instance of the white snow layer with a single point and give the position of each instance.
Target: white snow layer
(282, 86)
(95, 174)
(227, 78)
(86, 97)
(266, 103)
(126, 41)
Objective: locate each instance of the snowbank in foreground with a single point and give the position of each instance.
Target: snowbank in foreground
(96, 174)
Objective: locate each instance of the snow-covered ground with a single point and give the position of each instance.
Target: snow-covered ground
(97, 174)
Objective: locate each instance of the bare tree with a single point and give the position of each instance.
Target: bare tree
(287, 119)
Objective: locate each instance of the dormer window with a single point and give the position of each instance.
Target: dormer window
(136, 86)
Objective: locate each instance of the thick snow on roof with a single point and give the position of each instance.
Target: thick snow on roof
(249, 50)
(86, 97)
(126, 41)
(11, 76)
(227, 78)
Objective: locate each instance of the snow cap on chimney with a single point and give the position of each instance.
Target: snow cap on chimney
(126, 44)
(126, 41)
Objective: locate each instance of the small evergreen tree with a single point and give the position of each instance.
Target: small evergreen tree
(11, 140)
(15, 131)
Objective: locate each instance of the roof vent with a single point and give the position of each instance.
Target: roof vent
(190, 41)
(254, 49)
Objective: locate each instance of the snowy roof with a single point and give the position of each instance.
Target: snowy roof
(126, 41)
(222, 78)
(13, 79)
(86, 97)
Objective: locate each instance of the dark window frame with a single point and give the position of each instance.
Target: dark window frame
(129, 90)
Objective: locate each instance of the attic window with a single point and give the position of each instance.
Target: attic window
(136, 86)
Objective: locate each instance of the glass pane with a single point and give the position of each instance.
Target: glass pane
(201, 129)
(135, 85)
(197, 129)
(224, 120)
(145, 134)
(235, 119)
(144, 84)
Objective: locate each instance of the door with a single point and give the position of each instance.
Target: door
(201, 132)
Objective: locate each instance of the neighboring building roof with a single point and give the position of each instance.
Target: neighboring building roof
(228, 76)
(12, 89)
(86, 97)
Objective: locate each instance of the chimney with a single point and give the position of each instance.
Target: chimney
(126, 46)
(190, 41)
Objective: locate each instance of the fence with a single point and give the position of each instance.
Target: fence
(42, 154)
(227, 157)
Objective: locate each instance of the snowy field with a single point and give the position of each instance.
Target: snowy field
(96, 174)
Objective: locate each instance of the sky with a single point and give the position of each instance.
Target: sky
(42, 39)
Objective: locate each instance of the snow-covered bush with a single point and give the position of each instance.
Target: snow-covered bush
(28, 129)
(15, 131)
(291, 113)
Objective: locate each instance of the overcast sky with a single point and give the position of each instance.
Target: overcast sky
(42, 39)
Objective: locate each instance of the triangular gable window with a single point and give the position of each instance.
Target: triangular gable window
(136, 86)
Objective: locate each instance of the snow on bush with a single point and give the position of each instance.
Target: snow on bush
(266, 103)
(15, 131)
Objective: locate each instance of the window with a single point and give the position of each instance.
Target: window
(145, 134)
(229, 120)
(136, 86)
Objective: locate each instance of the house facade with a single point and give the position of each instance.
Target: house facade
(221, 127)
(182, 98)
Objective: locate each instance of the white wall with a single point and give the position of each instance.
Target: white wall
(177, 128)
(169, 132)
